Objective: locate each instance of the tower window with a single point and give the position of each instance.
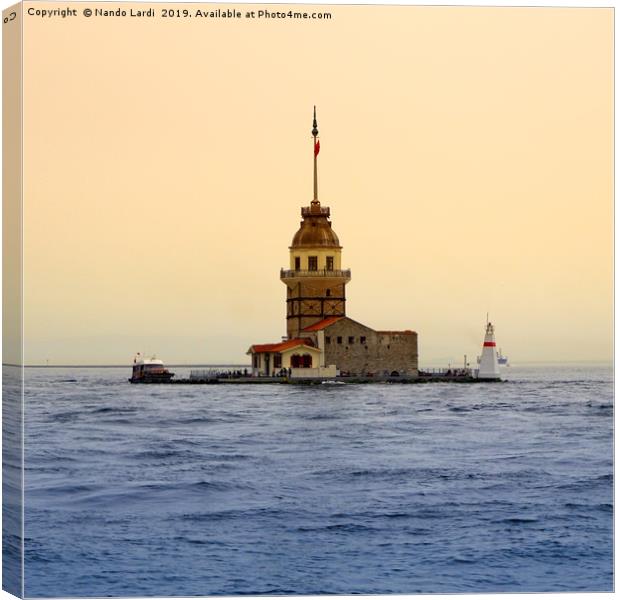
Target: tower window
(328, 292)
(313, 263)
(328, 340)
(297, 263)
(351, 339)
(339, 339)
(363, 339)
(329, 263)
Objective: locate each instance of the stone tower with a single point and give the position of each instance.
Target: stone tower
(315, 281)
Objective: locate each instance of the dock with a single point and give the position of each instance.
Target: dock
(423, 378)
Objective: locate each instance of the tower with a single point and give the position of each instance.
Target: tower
(489, 369)
(315, 281)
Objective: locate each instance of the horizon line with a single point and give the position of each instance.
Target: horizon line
(245, 366)
(107, 366)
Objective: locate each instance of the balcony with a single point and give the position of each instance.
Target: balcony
(321, 211)
(290, 273)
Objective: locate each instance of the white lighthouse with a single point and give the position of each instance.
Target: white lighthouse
(489, 368)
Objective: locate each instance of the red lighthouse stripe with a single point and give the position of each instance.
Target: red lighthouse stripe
(487, 344)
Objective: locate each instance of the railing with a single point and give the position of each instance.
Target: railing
(318, 273)
(201, 374)
(446, 372)
(323, 211)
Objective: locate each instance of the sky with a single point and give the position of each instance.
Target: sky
(466, 156)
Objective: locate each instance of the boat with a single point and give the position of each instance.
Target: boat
(149, 370)
(501, 359)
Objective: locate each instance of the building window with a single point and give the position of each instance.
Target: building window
(328, 340)
(313, 263)
(301, 362)
(351, 339)
(328, 293)
(277, 361)
(362, 339)
(329, 263)
(339, 339)
(297, 263)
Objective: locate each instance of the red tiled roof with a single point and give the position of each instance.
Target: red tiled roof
(322, 324)
(278, 347)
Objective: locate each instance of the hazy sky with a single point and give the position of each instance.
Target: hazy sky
(466, 155)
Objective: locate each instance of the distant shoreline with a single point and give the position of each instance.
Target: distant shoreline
(249, 366)
(125, 366)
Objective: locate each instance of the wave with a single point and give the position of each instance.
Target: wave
(336, 527)
(517, 520)
(231, 514)
(113, 410)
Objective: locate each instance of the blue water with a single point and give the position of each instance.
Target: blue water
(332, 489)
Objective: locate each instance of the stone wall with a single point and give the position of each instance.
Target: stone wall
(360, 350)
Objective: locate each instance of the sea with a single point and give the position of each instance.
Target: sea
(179, 490)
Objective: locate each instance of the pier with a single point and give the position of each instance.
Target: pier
(242, 378)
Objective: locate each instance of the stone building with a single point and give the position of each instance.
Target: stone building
(356, 349)
(316, 311)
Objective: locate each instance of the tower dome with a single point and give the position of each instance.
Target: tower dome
(315, 229)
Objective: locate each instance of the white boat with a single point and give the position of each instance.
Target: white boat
(149, 370)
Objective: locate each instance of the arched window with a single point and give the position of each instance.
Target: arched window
(295, 361)
(306, 361)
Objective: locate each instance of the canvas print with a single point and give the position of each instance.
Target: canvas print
(306, 299)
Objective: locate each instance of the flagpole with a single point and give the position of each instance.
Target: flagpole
(315, 132)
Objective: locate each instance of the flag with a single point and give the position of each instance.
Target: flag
(317, 147)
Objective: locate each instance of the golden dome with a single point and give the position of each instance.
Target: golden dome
(315, 229)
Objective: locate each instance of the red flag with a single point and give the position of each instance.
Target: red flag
(317, 147)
